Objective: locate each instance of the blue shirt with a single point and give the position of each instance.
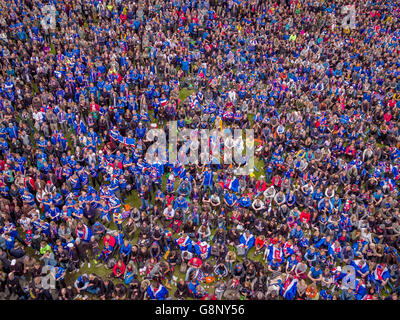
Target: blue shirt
(208, 178)
(230, 199)
(315, 273)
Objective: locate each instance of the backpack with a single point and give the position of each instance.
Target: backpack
(240, 250)
(183, 267)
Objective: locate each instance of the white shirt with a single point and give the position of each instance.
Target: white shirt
(38, 116)
(169, 214)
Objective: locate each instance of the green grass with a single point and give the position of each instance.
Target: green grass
(52, 50)
(184, 93)
(259, 164)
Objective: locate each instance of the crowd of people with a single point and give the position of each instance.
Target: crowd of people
(79, 90)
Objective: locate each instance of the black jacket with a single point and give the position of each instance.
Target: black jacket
(107, 290)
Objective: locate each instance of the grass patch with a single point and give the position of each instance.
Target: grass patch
(184, 93)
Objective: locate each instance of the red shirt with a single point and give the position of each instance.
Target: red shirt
(122, 17)
(169, 198)
(119, 270)
(111, 241)
(261, 186)
(305, 216)
(94, 107)
(276, 181)
(196, 262)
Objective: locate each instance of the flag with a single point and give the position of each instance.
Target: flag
(289, 289)
(275, 253)
(85, 233)
(184, 243)
(360, 266)
(234, 185)
(381, 273)
(334, 249)
(288, 249)
(158, 293)
(163, 102)
(202, 248)
(360, 289)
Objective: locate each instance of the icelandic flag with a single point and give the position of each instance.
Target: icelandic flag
(185, 244)
(395, 172)
(275, 253)
(126, 141)
(84, 234)
(391, 183)
(196, 104)
(289, 289)
(234, 185)
(202, 248)
(247, 240)
(192, 103)
(114, 133)
(334, 249)
(157, 294)
(381, 273)
(288, 249)
(359, 266)
(360, 289)
(337, 275)
(163, 102)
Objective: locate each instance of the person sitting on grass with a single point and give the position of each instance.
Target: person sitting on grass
(192, 286)
(156, 291)
(94, 284)
(315, 274)
(131, 273)
(220, 270)
(125, 251)
(81, 283)
(105, 253)
(44, 247)
(194, 265)
(259, 244)
(118, 270)
(247, 240)
(182, 290)
(98, 230)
